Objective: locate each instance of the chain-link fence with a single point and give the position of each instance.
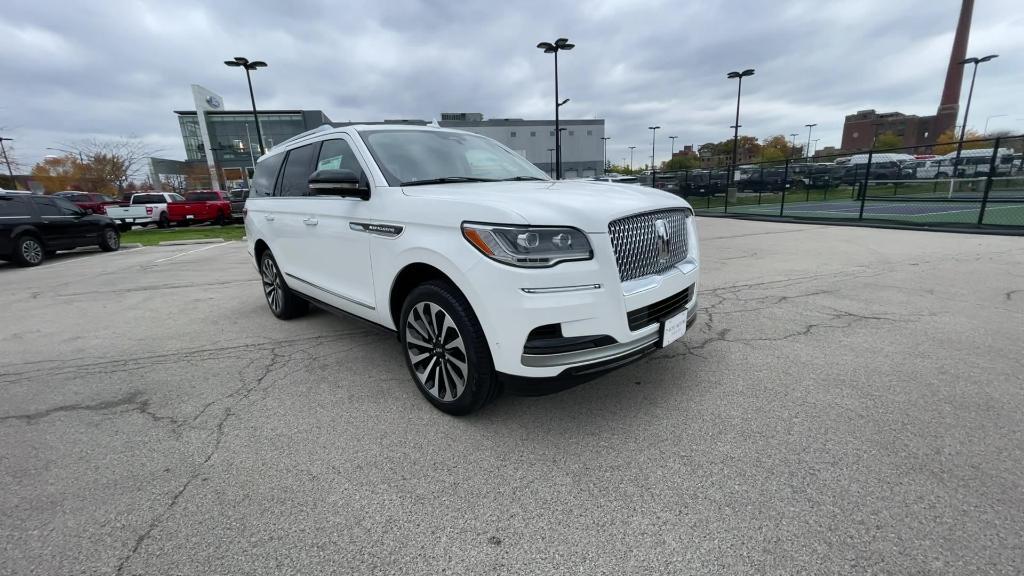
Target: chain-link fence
(981, 185)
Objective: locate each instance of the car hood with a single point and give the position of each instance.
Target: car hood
(584, 204)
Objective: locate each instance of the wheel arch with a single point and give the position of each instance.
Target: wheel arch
(28, 229)
(407, 279)
(258, 249)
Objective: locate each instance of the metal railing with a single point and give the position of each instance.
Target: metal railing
(910, 186)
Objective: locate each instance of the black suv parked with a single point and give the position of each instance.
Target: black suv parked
(33, 227)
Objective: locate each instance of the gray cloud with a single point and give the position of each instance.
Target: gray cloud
(75, 70)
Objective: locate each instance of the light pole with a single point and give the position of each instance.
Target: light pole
(815, 141)
(991, 117)
(673, 151)
(807, 152)
(792, 146)
(81, 160)
(248, 141)
(654, 170)
(554, 48)
(551, 152)
(736, 127)
(604, 166)
(240, 62)
(10, 171)
(631, 148)
(967, 110)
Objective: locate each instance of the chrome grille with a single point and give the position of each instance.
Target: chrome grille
(639, 251)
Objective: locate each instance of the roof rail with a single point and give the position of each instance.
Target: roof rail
(316, 130)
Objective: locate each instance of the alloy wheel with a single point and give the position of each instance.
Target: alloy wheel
(272, 285)
(436, 351)
(113, 240)
(32, 251)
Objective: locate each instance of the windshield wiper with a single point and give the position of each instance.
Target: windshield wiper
(446, 180)
(522, 178)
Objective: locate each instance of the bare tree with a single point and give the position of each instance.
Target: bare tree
(115, 161)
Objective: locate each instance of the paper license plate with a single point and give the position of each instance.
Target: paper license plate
(673, 328)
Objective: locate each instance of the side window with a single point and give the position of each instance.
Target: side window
(266, 175)
(338, 155)
(67, 208)
(12, 207)
(47, 207)
(297, 168)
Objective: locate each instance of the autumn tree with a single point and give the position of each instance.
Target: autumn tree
(775, 148)
(115, 162)
(58, 173)
(887, 141)
(946, 142)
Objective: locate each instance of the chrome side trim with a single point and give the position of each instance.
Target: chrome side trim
(592, 355)
(558, 289)
(332, 293)
(385, 230)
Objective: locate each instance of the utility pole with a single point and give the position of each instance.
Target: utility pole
(10, 171)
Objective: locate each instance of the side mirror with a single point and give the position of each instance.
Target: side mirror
(338, 183)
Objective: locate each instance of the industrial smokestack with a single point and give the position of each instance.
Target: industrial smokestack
(949, 106)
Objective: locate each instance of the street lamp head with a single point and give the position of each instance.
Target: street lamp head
(987, 58)
(547, 47)
(563, 44)
(563, 102)
(241, 60)
(654, 127)
(810, 125)
(233, 64)
(747, 72)
(256, 64)
(968, 61)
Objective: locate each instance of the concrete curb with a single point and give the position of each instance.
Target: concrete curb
(188, 242)
(131, 245)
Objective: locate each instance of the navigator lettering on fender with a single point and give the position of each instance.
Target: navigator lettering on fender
(386, 230)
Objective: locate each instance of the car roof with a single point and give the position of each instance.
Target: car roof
(325, 130)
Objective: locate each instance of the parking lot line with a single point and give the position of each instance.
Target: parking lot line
(192, 252)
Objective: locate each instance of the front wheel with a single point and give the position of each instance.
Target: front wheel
(283, 303)
(110, 239)
(445, 349)
(28, 251)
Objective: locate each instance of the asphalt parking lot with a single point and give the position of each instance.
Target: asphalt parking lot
(851, 400)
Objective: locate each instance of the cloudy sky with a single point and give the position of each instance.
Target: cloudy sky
(74, 69)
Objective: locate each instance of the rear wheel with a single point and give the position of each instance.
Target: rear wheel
(219, 220)
(445, 349)
(110, 239)
(163, 221)
(283, 303)
(29, 251)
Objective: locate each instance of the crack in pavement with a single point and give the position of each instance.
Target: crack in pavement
(133, 400)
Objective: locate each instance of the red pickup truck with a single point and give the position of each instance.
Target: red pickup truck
(201, 206)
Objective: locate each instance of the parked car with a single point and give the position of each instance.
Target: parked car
(767, 179)
(200, 206)
(91, 202)
(491, 273)
(143, 209)
(238, 197)
(34, 227)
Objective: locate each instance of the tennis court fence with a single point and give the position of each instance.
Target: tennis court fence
(977, 185)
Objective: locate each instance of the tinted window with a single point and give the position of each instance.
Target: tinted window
(176, 197)
(67, 208)
(13, 207)
(201, 196)
(148, 199)
(48, 207)
(298, 167)
(338, 155)
(266, 174)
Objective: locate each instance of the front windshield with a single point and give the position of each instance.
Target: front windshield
(428, 156)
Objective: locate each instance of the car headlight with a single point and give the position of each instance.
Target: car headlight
(528, 246)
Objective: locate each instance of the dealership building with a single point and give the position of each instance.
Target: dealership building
(221, 145)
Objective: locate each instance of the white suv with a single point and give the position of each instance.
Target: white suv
(493, 275)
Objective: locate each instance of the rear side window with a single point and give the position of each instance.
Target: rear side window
(148, 199)
(201, 196)
(12, 207)
(67, 208)
(298, 167)
(266, 175)
(47, 207)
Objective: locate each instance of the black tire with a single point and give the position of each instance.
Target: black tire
(441, 363)
(28, 250)
(110, 239)
(164, 221)
(282, 302)
(219, 220)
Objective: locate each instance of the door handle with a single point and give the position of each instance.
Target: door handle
(310, 221)
(268, 217)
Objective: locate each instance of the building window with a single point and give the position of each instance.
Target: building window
(238, 145)
(513, 134)
(532, 134)
(572, 132)
(552, 132)
(590, 132)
